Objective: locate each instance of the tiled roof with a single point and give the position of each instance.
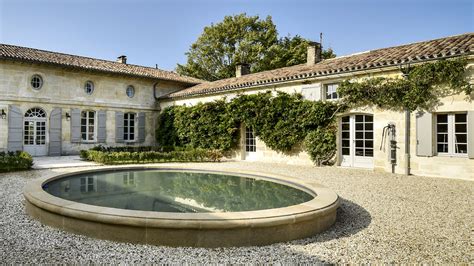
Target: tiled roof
(416, 52)
(17, 53)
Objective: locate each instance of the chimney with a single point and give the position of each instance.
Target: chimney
(241, 70)
(314, 53)
(122, 59)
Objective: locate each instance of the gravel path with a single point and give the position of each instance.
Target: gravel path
(383, 218)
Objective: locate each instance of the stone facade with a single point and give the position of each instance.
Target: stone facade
(436, 165)
(64, 88)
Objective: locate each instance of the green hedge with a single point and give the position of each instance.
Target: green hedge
(121, 157)
(15, 161)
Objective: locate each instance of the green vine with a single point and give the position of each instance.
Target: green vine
(422, 88)
(284, 120)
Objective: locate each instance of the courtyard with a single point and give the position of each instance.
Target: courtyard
(382, 218)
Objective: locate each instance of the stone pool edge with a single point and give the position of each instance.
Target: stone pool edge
(186, 229)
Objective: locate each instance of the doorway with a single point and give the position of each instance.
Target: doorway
(34, 132)
(357, 141)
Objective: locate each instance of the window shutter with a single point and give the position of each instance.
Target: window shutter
(312, 93)
(75, 125)
(55, 132)
(118, 127)
(15, 128)
(141, 127)
(470, 134)
(101, 126)
(424, 134)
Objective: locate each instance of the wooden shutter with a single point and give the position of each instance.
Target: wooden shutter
(15, 129)
(118, 127)
(470, 134)
(312, 93)
(141, 127)
(75, 125)
(101, 126)
(55, 126)
(424, 134)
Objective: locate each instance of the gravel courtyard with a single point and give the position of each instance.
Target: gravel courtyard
(383, 218)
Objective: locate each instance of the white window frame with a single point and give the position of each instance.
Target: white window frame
(126, 129)
(87, 140)
(90, 184)
(325, 91)
(451, 135)
(250, 140)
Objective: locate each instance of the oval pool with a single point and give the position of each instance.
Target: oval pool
(182, 207)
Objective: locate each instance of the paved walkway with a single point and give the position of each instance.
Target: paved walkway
(60, 162)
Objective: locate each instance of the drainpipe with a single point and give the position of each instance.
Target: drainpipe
(407, 141)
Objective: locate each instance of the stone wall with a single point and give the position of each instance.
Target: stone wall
(454, 166)
(64, 88)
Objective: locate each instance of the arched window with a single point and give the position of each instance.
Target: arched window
(35, 112)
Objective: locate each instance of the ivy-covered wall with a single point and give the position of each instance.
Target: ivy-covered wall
(284, 120)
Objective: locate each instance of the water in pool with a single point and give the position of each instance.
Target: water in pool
(171, 191)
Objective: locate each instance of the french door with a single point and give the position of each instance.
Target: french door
(357, 141)
(250, 144)
(34, 132)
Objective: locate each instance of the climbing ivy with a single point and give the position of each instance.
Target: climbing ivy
(421, 88)
(281, 121)
(284, 120)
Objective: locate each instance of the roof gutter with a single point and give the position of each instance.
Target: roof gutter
(312, 77)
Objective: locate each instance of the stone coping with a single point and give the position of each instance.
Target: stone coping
(323, 205)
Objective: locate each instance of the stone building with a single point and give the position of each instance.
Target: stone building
(58, 104)
(435, 144)
(55, 104)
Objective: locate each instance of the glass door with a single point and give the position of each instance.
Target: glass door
(357, 141)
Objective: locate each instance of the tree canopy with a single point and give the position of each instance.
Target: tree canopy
(243, 39)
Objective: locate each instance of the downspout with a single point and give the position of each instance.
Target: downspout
(407, 141)
(405, 71)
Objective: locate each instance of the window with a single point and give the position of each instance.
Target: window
(88, 125)
(130, 91)
(451, 134)
(36, 82)
(129, 179)
(87, 184)
(331, 91)
(250, 143)
(129, 126)
(89, 87)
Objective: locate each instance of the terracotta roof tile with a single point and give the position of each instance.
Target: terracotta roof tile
(416, 52)
(17, 53)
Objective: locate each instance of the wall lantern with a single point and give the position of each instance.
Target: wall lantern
(68, 116)
(3, 114)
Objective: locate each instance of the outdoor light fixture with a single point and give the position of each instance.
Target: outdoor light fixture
(3, 114)
(68, 116)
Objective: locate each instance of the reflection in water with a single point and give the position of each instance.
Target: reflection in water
(152, 190)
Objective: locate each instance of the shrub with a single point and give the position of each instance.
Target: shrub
(124, 157)
(15, 161)
(321, 145)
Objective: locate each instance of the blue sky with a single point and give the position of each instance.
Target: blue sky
(160, 32)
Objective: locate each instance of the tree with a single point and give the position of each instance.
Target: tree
(242, 39)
